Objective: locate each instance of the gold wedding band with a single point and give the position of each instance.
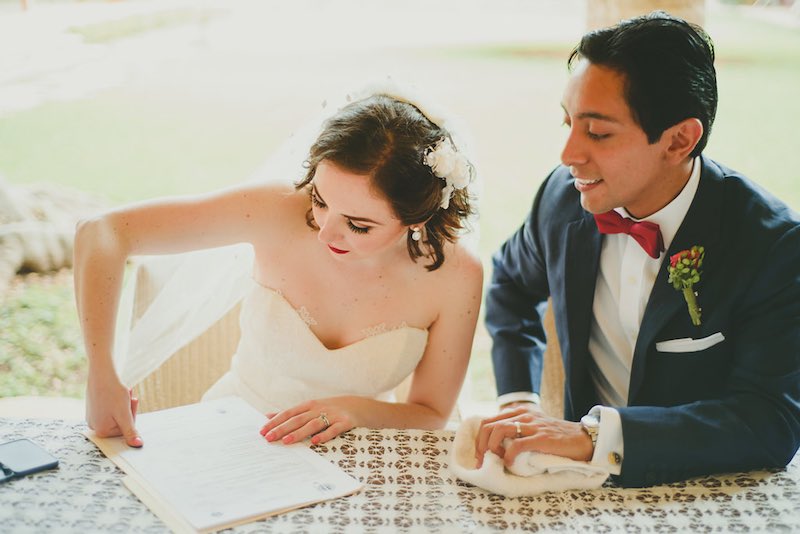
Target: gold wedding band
(519, 429)
(324, 419)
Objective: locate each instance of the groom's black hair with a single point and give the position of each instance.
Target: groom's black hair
(668, 65)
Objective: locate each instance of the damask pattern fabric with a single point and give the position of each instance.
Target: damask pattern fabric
(408, 488)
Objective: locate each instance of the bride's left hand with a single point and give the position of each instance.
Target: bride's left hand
(322, 419)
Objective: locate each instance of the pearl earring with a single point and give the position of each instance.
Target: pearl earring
(416, 235)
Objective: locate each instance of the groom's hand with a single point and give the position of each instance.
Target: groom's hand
(531, 431)
(493, 431)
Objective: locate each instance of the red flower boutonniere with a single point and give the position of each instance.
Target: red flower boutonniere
(685, 269)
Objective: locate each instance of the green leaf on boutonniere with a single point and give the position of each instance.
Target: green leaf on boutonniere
(685, 269)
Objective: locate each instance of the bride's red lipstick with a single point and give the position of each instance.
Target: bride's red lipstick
(338, 251)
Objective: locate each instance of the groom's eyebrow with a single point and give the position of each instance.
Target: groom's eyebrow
(591, 115)
(596, 115)
(351, 217)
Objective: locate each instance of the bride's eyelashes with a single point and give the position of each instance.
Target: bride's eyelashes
(317, 201)
(357, 229)
(320, 204)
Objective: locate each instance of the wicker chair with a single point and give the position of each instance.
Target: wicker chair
(188, 373)
(552, 392)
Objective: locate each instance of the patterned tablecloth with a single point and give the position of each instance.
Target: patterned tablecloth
(408, 488)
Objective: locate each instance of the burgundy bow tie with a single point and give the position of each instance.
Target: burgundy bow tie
(645, 233)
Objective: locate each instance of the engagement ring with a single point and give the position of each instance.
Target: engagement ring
(519, 429)
(324, 419)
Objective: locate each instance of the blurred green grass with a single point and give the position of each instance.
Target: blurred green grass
(128, 144)
(40, 344)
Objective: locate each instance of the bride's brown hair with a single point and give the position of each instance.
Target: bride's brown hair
(386, 139)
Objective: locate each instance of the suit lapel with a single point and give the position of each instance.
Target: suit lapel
(702, 227)
(583, 241)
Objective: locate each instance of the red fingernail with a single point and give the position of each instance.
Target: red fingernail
(315, 440)
(288, 439)
(263, 431)
(270, 436)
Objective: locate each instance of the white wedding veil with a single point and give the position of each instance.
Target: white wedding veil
(204, 285)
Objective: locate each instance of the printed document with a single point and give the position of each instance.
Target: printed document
(205, 467)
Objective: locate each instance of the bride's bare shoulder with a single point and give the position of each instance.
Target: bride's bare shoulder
(462, 268)
(454, 289)
(272, 200)
(271, 192)
(278, 213)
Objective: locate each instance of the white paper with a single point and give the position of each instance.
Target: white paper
(209, 462)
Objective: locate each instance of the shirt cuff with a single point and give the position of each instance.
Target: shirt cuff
(609, 450)
(518, 396)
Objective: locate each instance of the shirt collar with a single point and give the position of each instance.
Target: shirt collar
(670, 217)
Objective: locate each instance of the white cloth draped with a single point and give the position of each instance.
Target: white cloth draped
(531, 472)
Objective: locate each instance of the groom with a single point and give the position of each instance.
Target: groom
(666, 383)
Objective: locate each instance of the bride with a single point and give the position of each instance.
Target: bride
(358, 280)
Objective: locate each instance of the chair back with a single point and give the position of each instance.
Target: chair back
(188, 373)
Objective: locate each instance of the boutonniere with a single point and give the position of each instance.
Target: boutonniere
(685, 269)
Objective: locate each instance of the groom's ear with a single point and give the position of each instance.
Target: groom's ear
(681, 139)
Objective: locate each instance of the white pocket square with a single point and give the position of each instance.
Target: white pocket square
(688, 344)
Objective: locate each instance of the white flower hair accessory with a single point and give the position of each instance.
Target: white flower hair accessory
(445, 158)
(449, 164)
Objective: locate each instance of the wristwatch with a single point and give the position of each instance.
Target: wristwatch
(590, 423)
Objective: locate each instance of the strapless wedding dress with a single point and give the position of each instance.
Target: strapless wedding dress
(280, 362)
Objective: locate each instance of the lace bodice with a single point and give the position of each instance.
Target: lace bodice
(280, 362)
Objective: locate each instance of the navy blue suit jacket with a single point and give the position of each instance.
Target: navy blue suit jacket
(732, 407)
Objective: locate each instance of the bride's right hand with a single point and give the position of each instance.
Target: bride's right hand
(111, 409)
